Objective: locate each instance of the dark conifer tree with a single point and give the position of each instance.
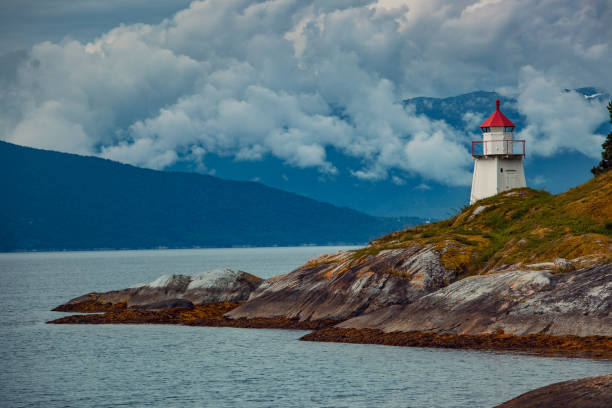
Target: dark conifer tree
(606, 156)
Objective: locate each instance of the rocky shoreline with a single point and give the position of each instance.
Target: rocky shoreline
(402, 297)
(214, 314)
(523, 272)
(598, 347)
(207, 314)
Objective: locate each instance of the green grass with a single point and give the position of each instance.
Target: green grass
(524, 226)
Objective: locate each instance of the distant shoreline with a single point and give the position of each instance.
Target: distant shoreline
(49, 251)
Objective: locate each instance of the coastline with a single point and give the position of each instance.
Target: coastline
(208, 314)
(596, 347)
(179, 248)
(213, 315)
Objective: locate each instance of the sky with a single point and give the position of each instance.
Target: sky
(304, 95)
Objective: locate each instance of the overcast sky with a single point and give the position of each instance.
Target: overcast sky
(150, 83)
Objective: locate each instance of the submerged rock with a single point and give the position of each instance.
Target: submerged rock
(344, 285)
(591, 392)
(220, 285)
(517, 302)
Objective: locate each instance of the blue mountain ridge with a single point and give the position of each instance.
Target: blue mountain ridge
(60, 201)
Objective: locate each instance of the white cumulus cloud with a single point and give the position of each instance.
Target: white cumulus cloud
(292, 79)
(558, 119)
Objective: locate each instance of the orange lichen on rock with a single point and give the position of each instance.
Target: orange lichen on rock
(208, 314)
(455, 255)
(92, 305)
(211, 312)
(541, 344)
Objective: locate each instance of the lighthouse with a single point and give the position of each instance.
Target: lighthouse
(498, 158)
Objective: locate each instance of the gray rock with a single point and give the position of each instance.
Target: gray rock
(166, 304)
(591, 392)
(220, 285)
(477, 211)
(563, 265)
(339, 286)
(519, 302)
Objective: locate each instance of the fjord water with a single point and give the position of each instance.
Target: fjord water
(168, 366)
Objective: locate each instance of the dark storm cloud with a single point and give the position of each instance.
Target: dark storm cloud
(24, 23)
(291, 78)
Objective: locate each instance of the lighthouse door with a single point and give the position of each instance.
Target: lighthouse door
(510, 179)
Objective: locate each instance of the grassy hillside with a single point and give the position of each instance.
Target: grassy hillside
(522, 226)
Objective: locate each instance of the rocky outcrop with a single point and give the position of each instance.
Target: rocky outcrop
(591, 392)
(348, 284)
(207, 314)
(401, 297)
(517, 302)
(220, 285)
(523, 270)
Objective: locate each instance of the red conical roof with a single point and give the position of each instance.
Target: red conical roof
(497, 119)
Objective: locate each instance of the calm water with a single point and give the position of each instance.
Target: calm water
(171, 366)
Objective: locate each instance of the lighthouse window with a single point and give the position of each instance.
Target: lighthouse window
(508, 129)
(486, 129)
(501, 170)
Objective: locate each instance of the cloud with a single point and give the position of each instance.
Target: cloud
(294, 79)
(558, 119)
(24, 23)
(472, 120)
(398, 180)
(538, 180)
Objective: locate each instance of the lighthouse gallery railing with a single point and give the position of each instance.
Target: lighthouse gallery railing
(498, 148)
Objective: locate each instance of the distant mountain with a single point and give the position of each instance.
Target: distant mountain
(62, 201)
(453, 108)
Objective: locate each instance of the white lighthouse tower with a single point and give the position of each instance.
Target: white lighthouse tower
(499, 158)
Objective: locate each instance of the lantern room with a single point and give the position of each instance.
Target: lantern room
(497, 137)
